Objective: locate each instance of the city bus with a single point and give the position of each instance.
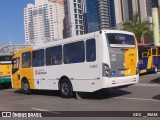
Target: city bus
(5, 70)
(158, 58)
(149, 60)
(85, 63)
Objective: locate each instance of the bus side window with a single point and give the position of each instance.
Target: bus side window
(38, 58)
(154, 51)
(158, 51)
(54, 55)
(74, 52)
(90, 50)
(65, 60)
(145, 54)
(26, 60)
(15, 63)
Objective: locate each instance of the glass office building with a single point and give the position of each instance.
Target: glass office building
(100, 15)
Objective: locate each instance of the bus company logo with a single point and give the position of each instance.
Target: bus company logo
(6, 114)
(40, 72)
(21, 115)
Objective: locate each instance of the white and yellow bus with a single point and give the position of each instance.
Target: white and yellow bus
(86, 63)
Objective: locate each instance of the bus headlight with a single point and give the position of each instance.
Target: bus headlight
(106, 70)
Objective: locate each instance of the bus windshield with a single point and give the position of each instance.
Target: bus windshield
(5, 59)
(120, 40)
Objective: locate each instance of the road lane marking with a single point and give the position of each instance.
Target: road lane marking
(38, 109)
(141, 99)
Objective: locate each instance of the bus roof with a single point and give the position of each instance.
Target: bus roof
(117, 31)
(76, 38)
(147, 45)
(143, 44)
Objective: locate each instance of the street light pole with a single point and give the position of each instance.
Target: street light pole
(155, 18)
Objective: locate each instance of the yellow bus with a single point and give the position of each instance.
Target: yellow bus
(5, 70)
(86, 63)
(149, 59)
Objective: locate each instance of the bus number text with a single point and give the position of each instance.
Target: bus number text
(93, 66)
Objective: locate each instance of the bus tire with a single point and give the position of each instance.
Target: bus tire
(66, 89)
(155, 69)
(26, 87)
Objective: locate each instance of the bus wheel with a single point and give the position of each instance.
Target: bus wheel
(66, 89)
(26, 87)
(155, 69)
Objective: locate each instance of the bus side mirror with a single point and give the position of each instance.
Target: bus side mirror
(13, 61)
(145, 54)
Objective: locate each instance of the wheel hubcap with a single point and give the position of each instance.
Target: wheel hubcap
(156, 69)
(65, 88)
(25, 86)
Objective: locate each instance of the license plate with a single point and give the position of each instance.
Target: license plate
(123, 71)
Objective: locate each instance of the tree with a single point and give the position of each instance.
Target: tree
(137, 26)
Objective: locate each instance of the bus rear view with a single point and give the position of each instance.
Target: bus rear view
(5, 70)
(85, 63)
(119, 59)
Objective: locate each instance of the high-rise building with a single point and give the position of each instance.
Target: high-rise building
(58, 1)
(43, 21)
(125, 9)
(66, 20)
(74, 17)
(100, 15)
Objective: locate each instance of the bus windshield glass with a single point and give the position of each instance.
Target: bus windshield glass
(120, 40)
(5, 59)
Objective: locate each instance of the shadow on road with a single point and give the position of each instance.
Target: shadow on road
(156, 80)
(102, 94)
(7, 86)
(157, 97)
(40, 92)
(148, 73)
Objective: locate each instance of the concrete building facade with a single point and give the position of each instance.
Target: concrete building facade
(124, 10)
(43, 21)
(74, 17)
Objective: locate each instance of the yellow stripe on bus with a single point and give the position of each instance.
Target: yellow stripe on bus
(130, 64)
(143, 71)
(149, 65)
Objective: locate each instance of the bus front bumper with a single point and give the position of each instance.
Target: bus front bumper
(4, 80)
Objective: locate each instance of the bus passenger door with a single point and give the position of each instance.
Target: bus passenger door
(26, 71)
(158, 58)
(143, 62)
(154, 57)
(15, 73)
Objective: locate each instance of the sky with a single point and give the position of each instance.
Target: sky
(12, 21)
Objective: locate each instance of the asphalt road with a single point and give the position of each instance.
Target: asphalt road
(144, 96)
